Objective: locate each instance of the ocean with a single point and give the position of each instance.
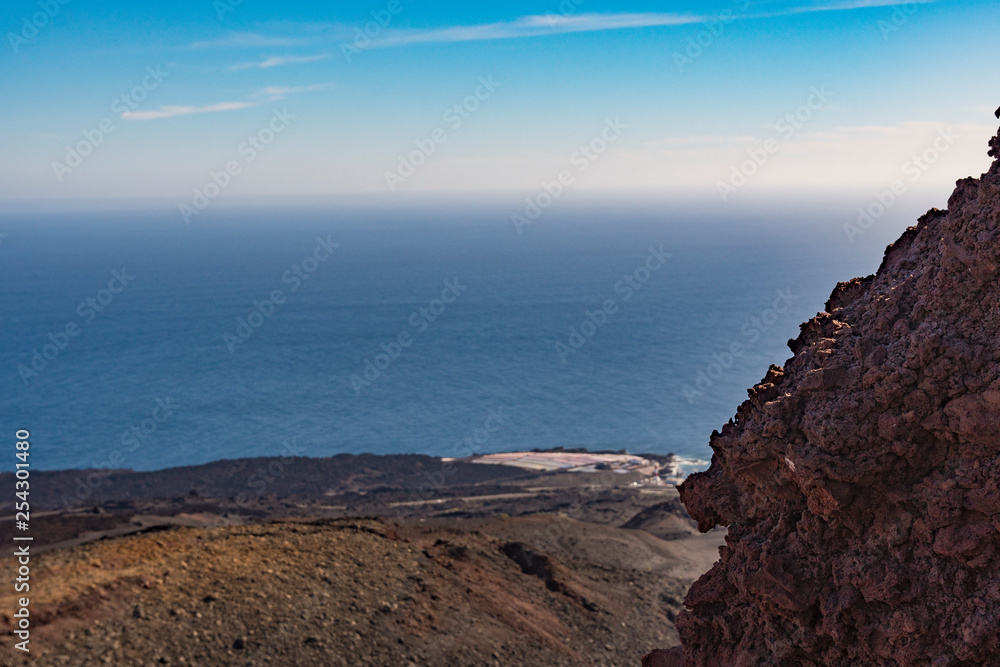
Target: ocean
(132, 340)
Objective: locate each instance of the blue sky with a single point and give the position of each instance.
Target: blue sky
(892, 77)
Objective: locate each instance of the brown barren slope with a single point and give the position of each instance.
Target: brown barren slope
(539, 589)
(492, 569)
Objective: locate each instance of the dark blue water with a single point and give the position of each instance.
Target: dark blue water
(151, 382)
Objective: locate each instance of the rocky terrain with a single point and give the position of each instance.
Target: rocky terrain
(859, 482)
(481, 565)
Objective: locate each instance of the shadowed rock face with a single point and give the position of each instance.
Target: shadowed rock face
(861, 482)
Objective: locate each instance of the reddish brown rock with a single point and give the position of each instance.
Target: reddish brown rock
(861, 482)
(664, 658)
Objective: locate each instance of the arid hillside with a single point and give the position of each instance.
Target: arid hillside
(536, 569)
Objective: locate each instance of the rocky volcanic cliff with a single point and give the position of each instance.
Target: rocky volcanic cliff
(861, 482)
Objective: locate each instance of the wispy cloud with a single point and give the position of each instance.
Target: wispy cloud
(552, 24)
(281, 92)
(535, 25)
(271, 93)
(275, 61)
(845, 5)
(171, 111)
(243, 40)
(540, 25)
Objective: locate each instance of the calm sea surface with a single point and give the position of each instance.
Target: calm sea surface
(132, 340)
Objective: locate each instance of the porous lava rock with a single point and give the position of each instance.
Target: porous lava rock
(861, 483)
